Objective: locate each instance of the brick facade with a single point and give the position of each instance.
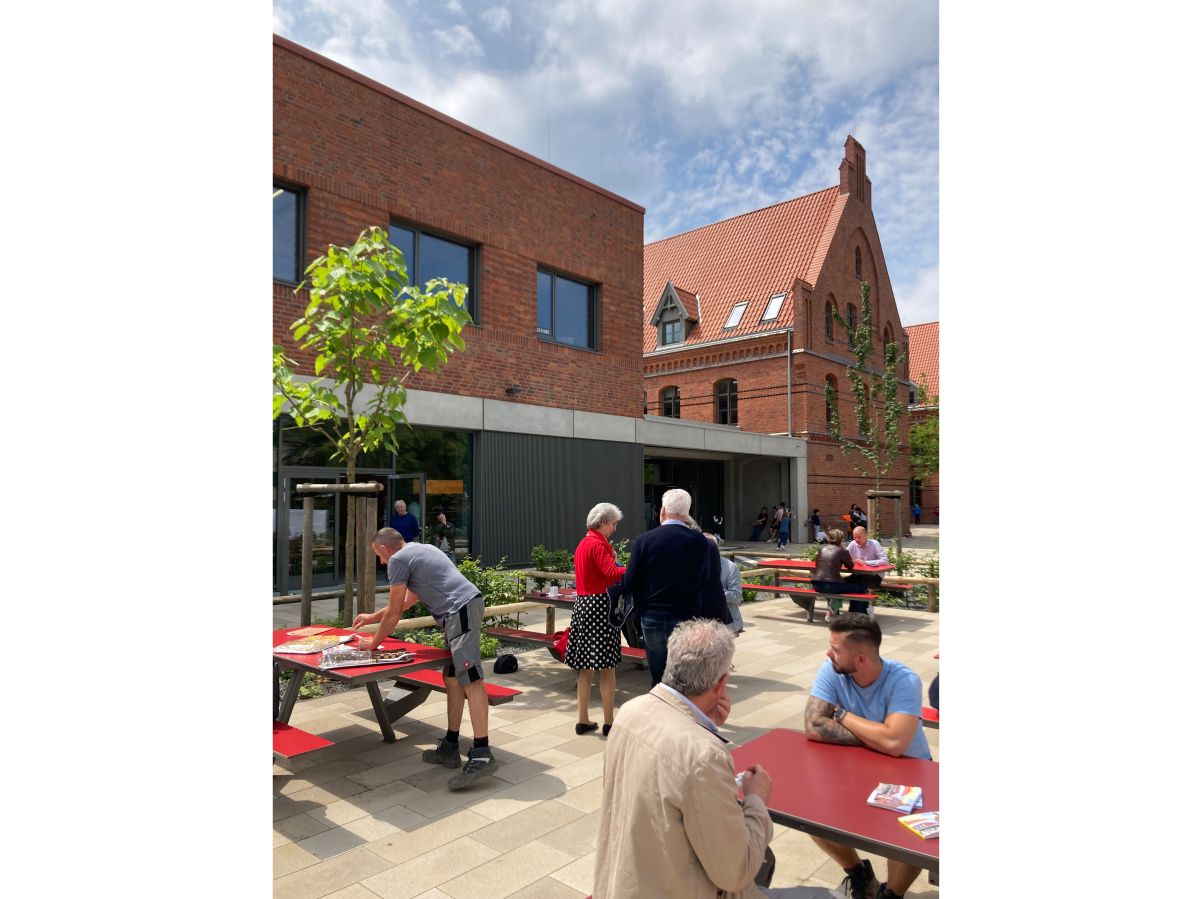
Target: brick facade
(366, 155)
(830, 237)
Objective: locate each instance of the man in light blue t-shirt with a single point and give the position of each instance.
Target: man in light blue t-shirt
(862, 699)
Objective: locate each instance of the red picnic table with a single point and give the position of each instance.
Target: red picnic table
(821, 789)
(386, 711)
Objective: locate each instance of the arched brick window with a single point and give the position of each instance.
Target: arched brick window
(668, 401)
(828, 320)
(726, 401)
(888, 335)
(851, 322)
(857, 263)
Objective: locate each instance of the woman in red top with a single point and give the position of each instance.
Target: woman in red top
(593, 643)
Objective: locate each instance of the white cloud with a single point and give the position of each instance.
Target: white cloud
(497, 18)
(695, 109)
(460, 40)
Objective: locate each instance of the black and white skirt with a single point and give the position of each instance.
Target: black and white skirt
(593, 641)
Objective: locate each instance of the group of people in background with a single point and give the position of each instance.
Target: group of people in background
(778, 520)
(441, 533)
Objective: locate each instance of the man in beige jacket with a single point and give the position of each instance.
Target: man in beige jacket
(670, 824)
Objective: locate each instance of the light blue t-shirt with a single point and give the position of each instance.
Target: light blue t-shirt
(897, 689)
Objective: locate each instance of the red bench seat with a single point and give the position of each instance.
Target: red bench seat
(291, 741)
(431, 678)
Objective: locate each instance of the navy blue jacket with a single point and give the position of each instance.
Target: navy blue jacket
(667, 571)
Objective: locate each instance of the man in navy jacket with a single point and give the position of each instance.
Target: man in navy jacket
(668, 567)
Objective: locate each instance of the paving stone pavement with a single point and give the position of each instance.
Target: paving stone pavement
(362, 819)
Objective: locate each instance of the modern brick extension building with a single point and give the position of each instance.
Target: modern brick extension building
(738, 329)
(540, 416)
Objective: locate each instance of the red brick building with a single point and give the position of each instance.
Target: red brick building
(738, 327)
(924, 366)
(541, 415)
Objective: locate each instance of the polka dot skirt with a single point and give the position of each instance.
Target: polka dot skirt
(593, 641)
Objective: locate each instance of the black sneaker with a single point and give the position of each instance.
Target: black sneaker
(447, 754)
(860, 883)
(476, 767)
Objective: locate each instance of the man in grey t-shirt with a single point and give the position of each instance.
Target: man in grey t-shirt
(419, 572)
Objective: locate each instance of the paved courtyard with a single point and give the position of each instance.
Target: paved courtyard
(364, 819)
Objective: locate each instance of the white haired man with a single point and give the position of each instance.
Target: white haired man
(670, 823)
(667, 571)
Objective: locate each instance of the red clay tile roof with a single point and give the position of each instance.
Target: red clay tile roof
(690, 303)
(924, 355)
(749, 257)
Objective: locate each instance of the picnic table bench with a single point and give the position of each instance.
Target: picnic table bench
(805, 597)
(632, 653)
(288, 741)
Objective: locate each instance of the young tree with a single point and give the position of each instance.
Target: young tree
(877, 408)
(369, 330)
(925, 437)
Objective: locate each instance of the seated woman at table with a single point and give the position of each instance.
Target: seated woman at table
(826, 577)
(593, 643)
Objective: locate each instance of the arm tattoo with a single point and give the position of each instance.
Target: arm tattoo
(819, 724)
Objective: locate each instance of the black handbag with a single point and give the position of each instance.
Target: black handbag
(619, 606)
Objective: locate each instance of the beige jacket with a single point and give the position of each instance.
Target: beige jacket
(670, 824)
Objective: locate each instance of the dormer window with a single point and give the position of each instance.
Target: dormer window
(677, 311)
(671, 331)
(735, 315)
(773, 305)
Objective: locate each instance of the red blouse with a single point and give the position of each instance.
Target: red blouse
(595, 564)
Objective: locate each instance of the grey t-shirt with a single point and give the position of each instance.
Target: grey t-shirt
(429, 573)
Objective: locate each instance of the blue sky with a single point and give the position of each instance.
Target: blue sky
(696, 110)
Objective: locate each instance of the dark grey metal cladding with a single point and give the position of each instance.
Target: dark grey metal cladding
(533, 490)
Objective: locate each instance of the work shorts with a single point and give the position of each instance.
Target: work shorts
(462, 630)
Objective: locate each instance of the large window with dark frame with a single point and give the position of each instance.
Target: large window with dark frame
(288, 209)
(726, 402)
(828, 320)
(851, 322)
(668, 401)
(430, 256)
(566, 310)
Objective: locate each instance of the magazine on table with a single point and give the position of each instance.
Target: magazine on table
(926, 825)
(897, 797)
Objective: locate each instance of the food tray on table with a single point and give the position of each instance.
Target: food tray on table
(344, 657)
(312, 644)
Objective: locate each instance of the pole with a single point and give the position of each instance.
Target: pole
(366, 577)
(306, 565)
(347, 598)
